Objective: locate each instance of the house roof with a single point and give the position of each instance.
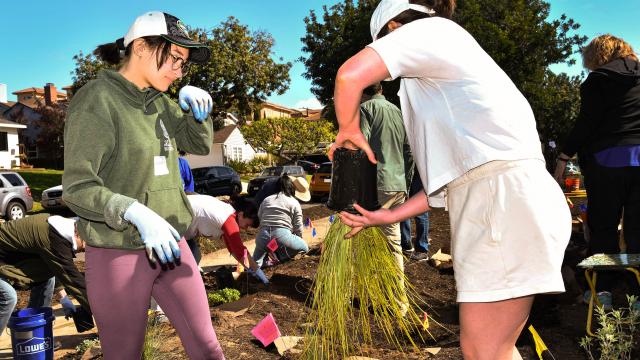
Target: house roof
(220, 136)
(4, 122)
(39, 91)
(278, 107)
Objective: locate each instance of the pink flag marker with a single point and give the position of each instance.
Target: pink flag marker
(267, 330)
(272, 245)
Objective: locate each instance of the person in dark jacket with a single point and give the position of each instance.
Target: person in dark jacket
(33, 252)
(606, 137)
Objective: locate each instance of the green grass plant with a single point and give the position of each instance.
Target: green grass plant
(358, 285)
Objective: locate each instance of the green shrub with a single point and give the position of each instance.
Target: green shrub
(617, 333)
(85, 345)
(223, 296)
(255, 165)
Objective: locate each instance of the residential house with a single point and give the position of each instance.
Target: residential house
(9, 145)
(228, 144)
(34, 97)
(24, 112)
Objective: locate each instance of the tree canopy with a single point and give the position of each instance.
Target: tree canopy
(517, 34)
(240, 73)
(287, 138)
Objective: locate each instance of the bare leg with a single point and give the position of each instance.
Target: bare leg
(488, 331)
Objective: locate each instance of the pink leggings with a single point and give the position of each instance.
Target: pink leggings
(120, 284)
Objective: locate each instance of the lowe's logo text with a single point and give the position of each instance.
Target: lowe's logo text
(33, 346)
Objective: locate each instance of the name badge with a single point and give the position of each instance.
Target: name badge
(160, 166)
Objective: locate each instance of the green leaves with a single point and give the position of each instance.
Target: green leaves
(242, 70)
(287, 138)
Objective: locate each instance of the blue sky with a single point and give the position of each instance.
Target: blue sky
(40, 39)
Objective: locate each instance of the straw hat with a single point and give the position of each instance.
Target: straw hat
(301, 188)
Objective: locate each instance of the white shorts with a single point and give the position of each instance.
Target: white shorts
(510, 225)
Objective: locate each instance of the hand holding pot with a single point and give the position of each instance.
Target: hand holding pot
(352, 140)
(368, 218)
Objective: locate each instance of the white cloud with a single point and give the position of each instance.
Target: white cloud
(310, 103)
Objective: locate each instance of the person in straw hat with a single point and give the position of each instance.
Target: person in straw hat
(281, 220)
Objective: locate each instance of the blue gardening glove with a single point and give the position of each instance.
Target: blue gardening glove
(259, 274)
(156, 233)
(68, 307)
(197, 99)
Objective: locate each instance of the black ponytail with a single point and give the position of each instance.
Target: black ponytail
(286, 185)
(110, 53)
(115, 53)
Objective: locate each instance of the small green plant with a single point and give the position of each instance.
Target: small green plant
(223, 296)
(616, 336)
(85, 345)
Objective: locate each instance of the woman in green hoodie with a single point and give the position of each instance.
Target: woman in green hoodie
(122, 179)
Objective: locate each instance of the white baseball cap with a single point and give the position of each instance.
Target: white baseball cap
(388, 9)
(157, 23)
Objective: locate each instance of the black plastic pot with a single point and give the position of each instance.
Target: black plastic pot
(353, 180)
(82, 319)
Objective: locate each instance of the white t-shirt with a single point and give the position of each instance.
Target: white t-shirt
(460, 109)
(209, 214)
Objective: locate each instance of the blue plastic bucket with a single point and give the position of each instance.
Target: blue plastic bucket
(32, 333)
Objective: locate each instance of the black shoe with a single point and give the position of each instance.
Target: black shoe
(419, 256)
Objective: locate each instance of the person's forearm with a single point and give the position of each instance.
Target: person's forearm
(416, 205)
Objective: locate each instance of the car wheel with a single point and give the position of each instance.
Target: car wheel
(236, 189)
(15, 211)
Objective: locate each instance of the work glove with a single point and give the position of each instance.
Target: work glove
(156, 233)
(199, 100)
(259, 274)
(68, 307)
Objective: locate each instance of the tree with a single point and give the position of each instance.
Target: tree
(87, 68)
(287, 138)
(517, 34)
(240, 73)
(50, 131)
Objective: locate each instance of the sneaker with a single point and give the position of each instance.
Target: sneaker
(408, 253)
(603, 296)
(419, 256)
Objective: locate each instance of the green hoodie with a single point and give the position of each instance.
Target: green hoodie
(116, 140)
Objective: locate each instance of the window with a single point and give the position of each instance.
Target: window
(4, 143)
(236, 153)
(212, 172)
(13, 179)
(224, 171)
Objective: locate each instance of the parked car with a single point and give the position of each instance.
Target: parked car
(15, 196)
(52, 199)
(271, 172)
(216, 180)
(308, 166)
(321, 182)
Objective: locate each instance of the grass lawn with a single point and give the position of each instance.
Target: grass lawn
(38, 181)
